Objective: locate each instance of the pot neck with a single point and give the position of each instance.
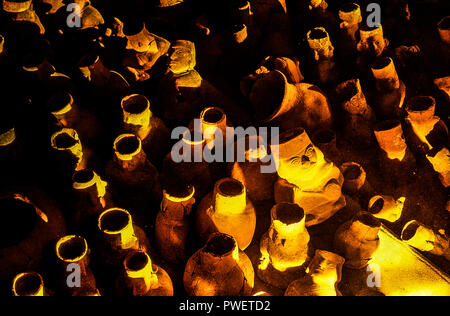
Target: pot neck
(73, 249)
(392, 142)
(144, 278)
(230, 197)
(94, 189)
(58, 142)
(385, 74)
(123, 237)
(365, 230)
(137, 114)
(7, 138)
(28, 284)
(129, 160)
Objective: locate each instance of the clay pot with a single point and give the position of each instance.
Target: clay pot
(219, 269)
(391, 92)
(278, 102)
(359, 117)
(69, 115)
(192, 170)
(172, 224)
(325, 140)
(251, 172)
(138, 119)
(141, 277)
(323, 51)
(120, 236)
(395, 159)
(29, 284)
(34, 225)
(285, 247)
(354, 177)
(72, 252)
(372, 42)
(425, 125)
(91, 199)
(134, 180)
(323, 276)
(101, 80)
(425, 239)
(90, 16)
(70, 152)
(306, 178)
(350, 21)
(441, 164)
(386, 207)
(227, 210)
(22, 11)
(443, 84)
(357, 240)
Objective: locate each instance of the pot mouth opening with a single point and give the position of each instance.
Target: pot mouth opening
(387, 125)
(230, 187)
(136, 261)
(128, 145)
(444, 24)
(324, 137)
(410, 230)
(19, 220)
(133, 27)
(352, 171)
(83, 176)
(135, 104)
(59, 101)
(220, 245)
(291, 134)
(113, 221)
(179, 192)
(349, 7)
(27, 284)
(421, 103)
(368, 220)
(377, 206)
(382, 63)
(288, 213)
(317, 34)
(71, 248)
(348, 90)
(213, 116)
(64, 141)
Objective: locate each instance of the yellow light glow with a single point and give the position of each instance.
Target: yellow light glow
(405, 272)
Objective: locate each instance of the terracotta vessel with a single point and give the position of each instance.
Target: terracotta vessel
(278, 102)
(323, 51)
(386, 207)
(427, 129)
(219, 269)
(120, 236)
(138, 119)
(357, 240)
(425, 239)
(90, 17)
(395, 159)
(227, 210)
(29, 284)
(190, 167)
(172, 226)
(391, 92)
(325, 140)
(323, 276)
(354, 177)
(140, 277)
(22, 11)
(253, 170)
(306, 178)
(73, 254)
(134, 180)
(359, 117)
(91, 199)
(34, 225)
(350, 20)
(67, 145)
(372, 42)
(285, 248)
(68, 115)
(441, 164)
